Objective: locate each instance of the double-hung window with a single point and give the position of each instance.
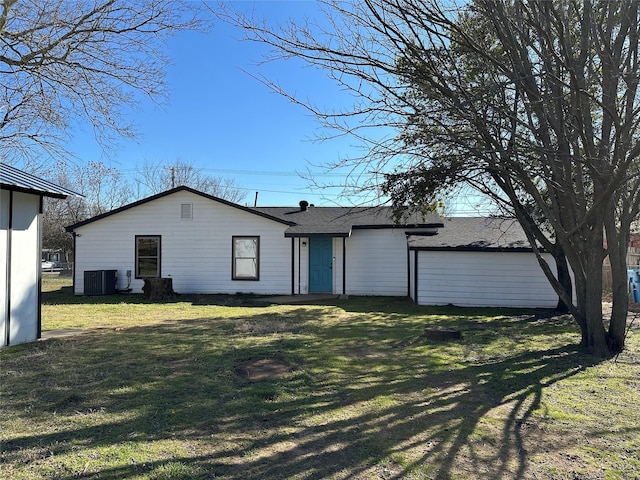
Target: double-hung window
(147, 256)
(245, 258)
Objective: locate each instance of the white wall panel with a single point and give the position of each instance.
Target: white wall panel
(489, 279)
(196, 253)
(4, 263)
(24, 268)
(376, 262)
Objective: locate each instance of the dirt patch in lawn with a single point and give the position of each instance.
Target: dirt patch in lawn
(254, 370)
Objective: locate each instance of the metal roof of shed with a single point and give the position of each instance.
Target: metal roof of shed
(14, 179)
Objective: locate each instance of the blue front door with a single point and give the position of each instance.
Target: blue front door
(320, 265)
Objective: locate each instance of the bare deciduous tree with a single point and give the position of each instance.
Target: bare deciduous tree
(103, 189)
(157, 177)
(535, 103)
(68, 61)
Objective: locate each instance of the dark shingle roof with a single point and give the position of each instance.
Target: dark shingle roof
(330, 221)
(339, 221)
(474, 233)
(13, 179)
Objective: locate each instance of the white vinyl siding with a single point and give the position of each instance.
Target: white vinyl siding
(376, 262)
(483, 279)
(412, 278)
(301, 265)
(5, 256)
(20, 250)
(338, 255)
(197, 255)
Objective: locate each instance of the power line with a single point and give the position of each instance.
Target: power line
(270, 173)
(462, 210)
(273, 173)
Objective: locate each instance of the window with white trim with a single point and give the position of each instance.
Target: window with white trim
(245, 258)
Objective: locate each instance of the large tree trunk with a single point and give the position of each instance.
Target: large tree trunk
(617, 246)
(594, 336)
(586, 253)
(589, 240)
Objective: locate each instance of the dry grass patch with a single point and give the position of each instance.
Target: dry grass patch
(256, 370)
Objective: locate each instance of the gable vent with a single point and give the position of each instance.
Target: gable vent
(186, 211)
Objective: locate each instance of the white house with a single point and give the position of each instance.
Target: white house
(209, 245)
(21, 196)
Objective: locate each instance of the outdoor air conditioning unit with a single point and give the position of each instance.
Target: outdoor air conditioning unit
(100, 282)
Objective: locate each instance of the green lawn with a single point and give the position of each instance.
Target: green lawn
(154, 391)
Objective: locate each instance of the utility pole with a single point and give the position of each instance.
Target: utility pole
(173, 176)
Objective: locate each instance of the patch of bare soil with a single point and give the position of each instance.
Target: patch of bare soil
(267, 326)
(255, 370)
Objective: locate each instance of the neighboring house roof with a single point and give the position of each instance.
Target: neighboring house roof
(340, 221)
(330, 221)
(474, 234)
(71, 228)
(13, 179)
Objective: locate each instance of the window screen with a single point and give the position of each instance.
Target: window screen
(246, 258)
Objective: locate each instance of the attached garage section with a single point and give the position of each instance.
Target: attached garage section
(478, 262)
(481, 279)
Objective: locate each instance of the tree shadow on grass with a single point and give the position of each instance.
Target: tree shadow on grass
(353, 406)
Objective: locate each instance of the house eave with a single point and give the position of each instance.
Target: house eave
(15, 180)
(471, 248)
(397, 225)
(32, 191)
(316, 234)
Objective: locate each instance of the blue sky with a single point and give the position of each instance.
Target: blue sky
(222, 120)
(226, 122)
